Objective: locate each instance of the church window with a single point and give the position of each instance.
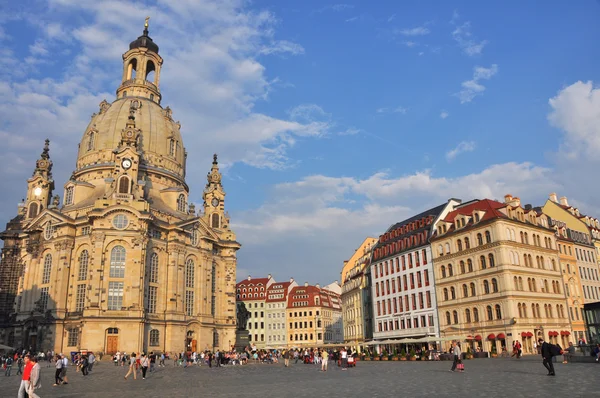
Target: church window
(124, 94)
(120, 221)
(117, 262)
(115, 296)
(80, 298)
(151, 97)
(90, 143)
(189, 274)
(215, 220)
(48, 230)
(195, 237)
(83, 265)
(33, 210)
(152, 296)
(154, 337)
(172, 147)
(124, 184)
(213, 302)
(73, 337)
(44, 296)
(153, 274)
(181, 203)
(47, 268)
(69, 196)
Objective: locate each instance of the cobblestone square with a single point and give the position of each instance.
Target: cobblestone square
(482, 378)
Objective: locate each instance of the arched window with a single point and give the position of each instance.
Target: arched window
(150, 75)
(490, 315)
(189, 286)
(482, 262)
(154, 338)
(450, 273)
(516, 283)
(472, 288)
(486, 287)
(69, 196)
(181, 203)
(131, 69)
(172, 147)
(445, 294)
(124, 184)
(448, 319)
(443, 270)
(153, 271)
(33, 210)
(47, 269)
(475, 315)
(455, 316)
(520, 310)
(470, 265)
(465, 291)
(459, 245)
(83, 265)
(453, 293)
(498, 312)
(467, 243)
(447, 248)
(117, 262)
(488, 237)
(494, 285)
(479, 239)
(492, 262)
(90, 143)
(462, 267)
(468, 315)
(48, 230)
(215, 221)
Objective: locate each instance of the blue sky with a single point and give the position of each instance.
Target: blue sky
(332, 120)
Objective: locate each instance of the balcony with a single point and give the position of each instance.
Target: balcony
(131, 82)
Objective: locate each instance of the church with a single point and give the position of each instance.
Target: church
(125, 262)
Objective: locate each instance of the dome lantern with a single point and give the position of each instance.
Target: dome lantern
(141, 69)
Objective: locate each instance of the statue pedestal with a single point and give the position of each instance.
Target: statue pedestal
(241, 340)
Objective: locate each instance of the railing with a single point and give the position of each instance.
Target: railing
(139, 81)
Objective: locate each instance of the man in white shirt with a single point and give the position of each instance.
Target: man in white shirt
(344, 356)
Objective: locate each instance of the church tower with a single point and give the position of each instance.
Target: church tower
(214, 199)
(40, 185)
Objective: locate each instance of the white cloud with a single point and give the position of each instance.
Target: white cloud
(391, 18)
(410, 43)
(463, 36)
(576, 111)
(444, 114)
(283, 47)
(351, 19)
(399, 109)
(418, 31)
(336, 7)
(462, 147)
(472, 88)
(350, 131)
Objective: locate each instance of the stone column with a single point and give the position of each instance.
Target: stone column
(96, 269)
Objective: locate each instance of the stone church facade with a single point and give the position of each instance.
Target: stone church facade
(124, 263)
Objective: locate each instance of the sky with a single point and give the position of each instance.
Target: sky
(332, 120)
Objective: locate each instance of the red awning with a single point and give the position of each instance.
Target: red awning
(469, 337)
(529, 334)
(478, 337)
(523, 334)
(491, 336)
(550, 334)
(501, 336)
(566, 333)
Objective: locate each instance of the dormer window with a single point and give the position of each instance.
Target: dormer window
(69, 196)
(476, 217)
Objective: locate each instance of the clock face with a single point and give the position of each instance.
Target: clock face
(215, 202)
(126, 163)
(37, 191)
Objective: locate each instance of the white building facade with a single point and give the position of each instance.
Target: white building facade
(276, 305)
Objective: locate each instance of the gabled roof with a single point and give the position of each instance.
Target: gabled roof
(278, 286)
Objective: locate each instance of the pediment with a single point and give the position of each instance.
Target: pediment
(48, 215)
(199, 223)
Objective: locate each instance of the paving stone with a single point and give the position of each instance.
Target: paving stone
(482, 378)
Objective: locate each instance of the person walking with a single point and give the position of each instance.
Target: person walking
(344, 356)
(8, 363)
(91, 361)
(34, 379)
(144, 362)
(548, 351)
(25, 380)
(59, 364)
(20, 365)
(457, 353)
(324, 360)
(63, 373)
(132, 367)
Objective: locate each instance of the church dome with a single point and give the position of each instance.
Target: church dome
(144, 41)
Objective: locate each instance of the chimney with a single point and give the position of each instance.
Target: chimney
(336, 282)
(318, 286)
(269, 276)
(291, 280)
(553, 197)
(563, 201)
(305, 284)
(528, 207)
(249, 278)
(507, 198)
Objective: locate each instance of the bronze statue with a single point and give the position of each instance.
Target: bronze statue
(242, 316)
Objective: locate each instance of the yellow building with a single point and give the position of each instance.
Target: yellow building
(497, 275)
(572, 282)
(126, 263)
(355, 295)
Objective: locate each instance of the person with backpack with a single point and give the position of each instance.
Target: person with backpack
(548, 351)
(8, 363)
